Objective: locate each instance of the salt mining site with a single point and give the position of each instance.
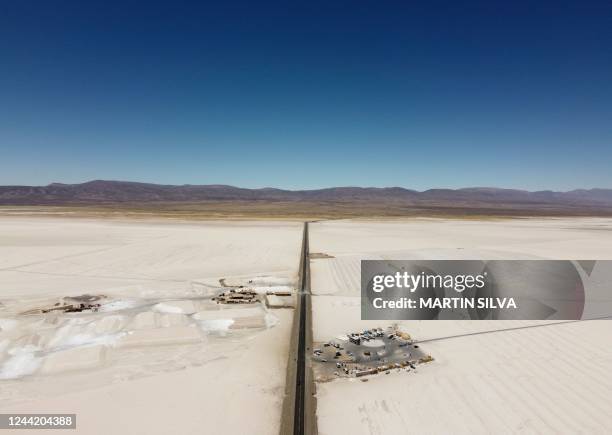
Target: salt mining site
(119, 315)
(367, 353)
(183, 323)
(78, 332)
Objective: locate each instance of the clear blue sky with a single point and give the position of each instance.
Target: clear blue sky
(305, 95)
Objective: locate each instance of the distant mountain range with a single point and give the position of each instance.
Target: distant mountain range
(100, 192)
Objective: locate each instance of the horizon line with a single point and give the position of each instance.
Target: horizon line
(309, 189)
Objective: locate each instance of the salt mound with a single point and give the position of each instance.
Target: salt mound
(23, 361)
